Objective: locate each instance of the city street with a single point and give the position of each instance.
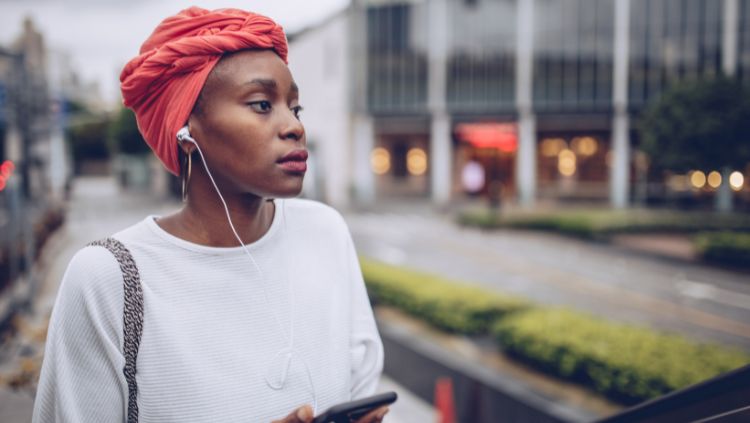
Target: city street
(701, 302)
(618, 123)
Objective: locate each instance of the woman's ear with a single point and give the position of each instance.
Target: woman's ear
(189, 147)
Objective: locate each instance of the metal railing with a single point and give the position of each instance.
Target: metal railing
(724, 399)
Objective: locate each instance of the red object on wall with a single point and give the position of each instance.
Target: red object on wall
(502, 136)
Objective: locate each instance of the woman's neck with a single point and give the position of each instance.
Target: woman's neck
(205, 222)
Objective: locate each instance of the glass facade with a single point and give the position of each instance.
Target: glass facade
(672, 40)
(743, 42)
(573, 44)
(397, 70)
(481, 56)
(669, 40)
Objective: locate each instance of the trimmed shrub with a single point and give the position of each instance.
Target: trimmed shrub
(594, 224)
(449, 305)
(724, 247)
(626, 363)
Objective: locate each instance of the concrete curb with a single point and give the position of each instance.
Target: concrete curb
(481, 394)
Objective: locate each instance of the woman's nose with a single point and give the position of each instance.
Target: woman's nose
(293, 128)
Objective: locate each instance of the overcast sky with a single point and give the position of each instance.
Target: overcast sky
(102, 35)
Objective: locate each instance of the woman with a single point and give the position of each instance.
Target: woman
(254, 308)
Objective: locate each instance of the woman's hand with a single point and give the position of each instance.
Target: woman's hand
(374, 416)
(304, 415)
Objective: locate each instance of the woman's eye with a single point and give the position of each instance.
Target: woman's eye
(261, 106)
(297, 110)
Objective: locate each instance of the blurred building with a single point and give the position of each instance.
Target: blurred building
(25, 111)
(543, 94)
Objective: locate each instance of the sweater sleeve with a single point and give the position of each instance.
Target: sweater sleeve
(81, 378)
(366, 348)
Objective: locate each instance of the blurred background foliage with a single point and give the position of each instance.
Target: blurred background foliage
(701, 124)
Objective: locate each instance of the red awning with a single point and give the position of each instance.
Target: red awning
(502, 136)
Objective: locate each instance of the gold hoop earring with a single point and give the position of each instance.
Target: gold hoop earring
(186, 177)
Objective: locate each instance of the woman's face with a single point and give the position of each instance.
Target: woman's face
(247, 125)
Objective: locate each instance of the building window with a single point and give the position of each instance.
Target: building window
(573, 42)
(672, 41)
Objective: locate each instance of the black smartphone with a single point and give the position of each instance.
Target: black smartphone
(351, 411)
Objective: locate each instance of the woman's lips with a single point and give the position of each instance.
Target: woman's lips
(296, 166)
(294, 161)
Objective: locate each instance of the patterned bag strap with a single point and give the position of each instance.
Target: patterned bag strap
(133, 317)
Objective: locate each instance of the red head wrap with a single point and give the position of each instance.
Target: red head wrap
(163, 82)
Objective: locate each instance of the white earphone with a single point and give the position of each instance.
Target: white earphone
(183, 135)
(286, 354)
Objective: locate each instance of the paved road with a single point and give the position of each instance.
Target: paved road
(97, 210)
(702, 302)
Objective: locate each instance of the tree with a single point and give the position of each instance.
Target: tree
(125, 135)
(88, 140)
(701, 124)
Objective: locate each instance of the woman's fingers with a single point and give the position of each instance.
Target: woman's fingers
(374, 416)
(303, 414)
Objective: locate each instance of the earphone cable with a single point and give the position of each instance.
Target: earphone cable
(289, 338)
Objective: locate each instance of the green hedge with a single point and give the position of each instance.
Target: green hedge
(724, 247)
(449, 305)
(602, 223)
(627, 363)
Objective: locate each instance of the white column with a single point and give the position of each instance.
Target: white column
(526, 156)
(729, 39)
(440, 151)
(440, 127)
(364, 142)
(730, 31)
(619, 185)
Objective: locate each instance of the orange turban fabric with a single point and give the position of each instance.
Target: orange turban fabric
(163, 82)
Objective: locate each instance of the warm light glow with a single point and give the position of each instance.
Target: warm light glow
(641, 160)
(380, 160)
(416, 161)
(585, 146)
(566, 162)
(697, 179)
(714, 179)
(678, 182)
(551, 147)
(736, 180)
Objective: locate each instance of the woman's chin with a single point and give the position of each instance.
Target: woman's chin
(287, 192)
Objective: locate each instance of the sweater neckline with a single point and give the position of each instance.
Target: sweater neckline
(205, 249)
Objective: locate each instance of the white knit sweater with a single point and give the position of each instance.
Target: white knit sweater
(216, 328)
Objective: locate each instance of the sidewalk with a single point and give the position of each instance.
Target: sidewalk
(98, 209)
